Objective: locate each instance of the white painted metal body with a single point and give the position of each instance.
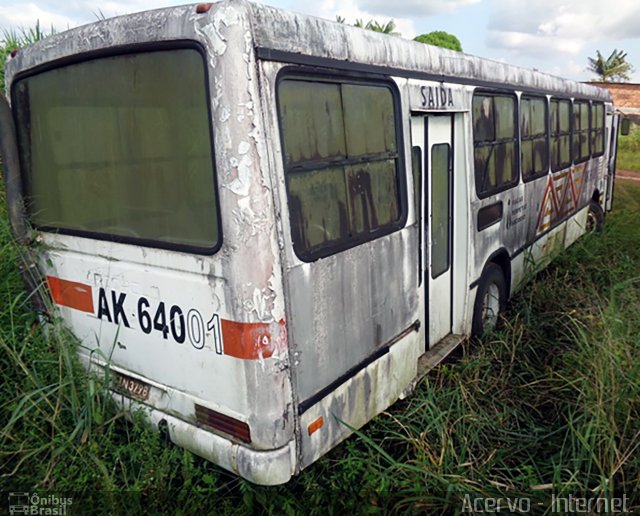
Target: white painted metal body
(337, 338)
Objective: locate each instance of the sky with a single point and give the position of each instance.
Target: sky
(554, 36)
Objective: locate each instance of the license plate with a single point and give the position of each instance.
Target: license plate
(135, 388)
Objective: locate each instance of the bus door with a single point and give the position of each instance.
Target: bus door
(433, 135)
(611, 168)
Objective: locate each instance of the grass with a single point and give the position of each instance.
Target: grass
(551, 405)
(629, 150)
(14, 39)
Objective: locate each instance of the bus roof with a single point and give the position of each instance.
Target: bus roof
(288, 34)
(297, 38)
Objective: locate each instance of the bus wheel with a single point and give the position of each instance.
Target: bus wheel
(491, 300)
(595, 218)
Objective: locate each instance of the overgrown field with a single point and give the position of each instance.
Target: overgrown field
(550, 406)
(629, 150)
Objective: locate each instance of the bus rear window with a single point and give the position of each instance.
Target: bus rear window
(119, 148)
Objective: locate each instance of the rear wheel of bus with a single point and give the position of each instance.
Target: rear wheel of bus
(491, 300)
(595, 218)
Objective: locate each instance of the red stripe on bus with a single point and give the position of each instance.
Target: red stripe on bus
(252, 341)
(71, 293)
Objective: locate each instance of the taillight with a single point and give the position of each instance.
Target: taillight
(238, 429)
(203, 8)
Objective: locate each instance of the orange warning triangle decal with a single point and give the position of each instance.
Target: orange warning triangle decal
(548, 209)
(578, 182)
(568, 199)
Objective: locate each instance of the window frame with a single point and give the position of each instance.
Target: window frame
(592, 130)
(577, 158)
(569, 133)
(417, 158)
(449, 176)
(304, 73)
(516, 140)
(123, 51)
(547, 134)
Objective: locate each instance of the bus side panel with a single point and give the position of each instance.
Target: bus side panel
(361, 398)
(346, 307)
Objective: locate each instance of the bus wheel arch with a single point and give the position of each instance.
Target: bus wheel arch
(595, 217)
(492, 294)
(502, 260)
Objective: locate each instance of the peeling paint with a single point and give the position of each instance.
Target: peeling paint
(241, 184)
(226, 16)
(225, 114)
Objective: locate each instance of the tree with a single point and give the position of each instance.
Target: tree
(387, 28)
(613, 69)
(375, 26)
(440, 38)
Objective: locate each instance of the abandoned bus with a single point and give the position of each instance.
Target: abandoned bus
(262, 225)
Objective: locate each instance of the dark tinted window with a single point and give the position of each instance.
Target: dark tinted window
(597, 129)
(533, 130)
(120, 148)
(560, 130)
(580, 131)
(495, 141)
(341, 161)
(440, 208)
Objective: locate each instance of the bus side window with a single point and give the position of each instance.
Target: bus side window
(597, 129)
(533, 130)
(560, 134)
(495, 142)
(580, 131)
(341, 162)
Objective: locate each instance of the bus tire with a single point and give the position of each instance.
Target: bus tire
(491, 300)
(595, 218)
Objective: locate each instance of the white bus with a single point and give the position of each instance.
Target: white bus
(266, 226)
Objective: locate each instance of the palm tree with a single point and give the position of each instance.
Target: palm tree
(613, 69)
(375, 26)
(387, 28)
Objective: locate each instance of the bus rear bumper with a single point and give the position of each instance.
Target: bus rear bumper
(264, 467)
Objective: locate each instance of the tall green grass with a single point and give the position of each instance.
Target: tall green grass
(551, 405)
(16, 38)
(59, 431)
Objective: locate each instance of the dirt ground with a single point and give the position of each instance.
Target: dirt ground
(628, 174)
